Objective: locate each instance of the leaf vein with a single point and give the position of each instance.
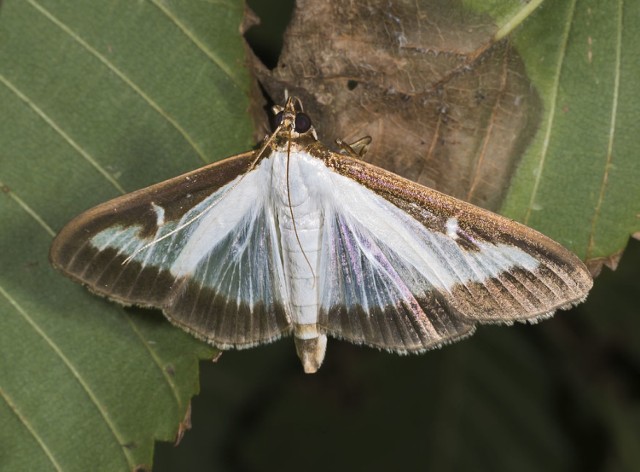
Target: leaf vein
(67, 362)
(612, 129)
(5, 189)
(47, 119)
(553, 100)
(215, 59)
(156, 360)
(31, 430)
(517, 19)
(122, 76)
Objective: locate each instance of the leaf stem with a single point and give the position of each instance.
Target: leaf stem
(516, 19)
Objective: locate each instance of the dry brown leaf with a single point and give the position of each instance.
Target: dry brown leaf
(445, 107)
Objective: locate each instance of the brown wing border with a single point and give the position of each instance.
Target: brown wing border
(562, 280)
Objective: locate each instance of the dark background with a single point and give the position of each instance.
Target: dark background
(560, 395)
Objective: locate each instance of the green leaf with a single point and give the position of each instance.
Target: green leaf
(507, 14)
(578, 182)
(100, 98)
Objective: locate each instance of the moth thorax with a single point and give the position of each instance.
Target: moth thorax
(292, 182)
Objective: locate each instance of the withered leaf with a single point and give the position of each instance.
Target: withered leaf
(444, 105)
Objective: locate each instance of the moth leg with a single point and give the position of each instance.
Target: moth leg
(356, 149)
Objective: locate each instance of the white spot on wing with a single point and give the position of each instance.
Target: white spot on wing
(452, 228)
(159, 214)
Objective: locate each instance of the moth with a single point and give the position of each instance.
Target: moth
(293, 238)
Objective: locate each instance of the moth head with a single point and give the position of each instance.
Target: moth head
(291, 120)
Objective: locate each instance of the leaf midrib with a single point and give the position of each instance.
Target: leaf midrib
(612, 129)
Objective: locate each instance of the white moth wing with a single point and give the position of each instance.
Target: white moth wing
(376, 284)
(317, 243)
(230, 258)
(411, 278)
(216, 270)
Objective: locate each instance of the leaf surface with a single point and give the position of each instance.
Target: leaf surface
(100, 98)
(579, 180)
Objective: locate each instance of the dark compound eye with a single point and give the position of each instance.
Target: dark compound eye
(276, 120)
(303, 122)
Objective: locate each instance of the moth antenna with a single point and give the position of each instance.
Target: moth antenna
(293, 221)
(299, 102)
(213, 204)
